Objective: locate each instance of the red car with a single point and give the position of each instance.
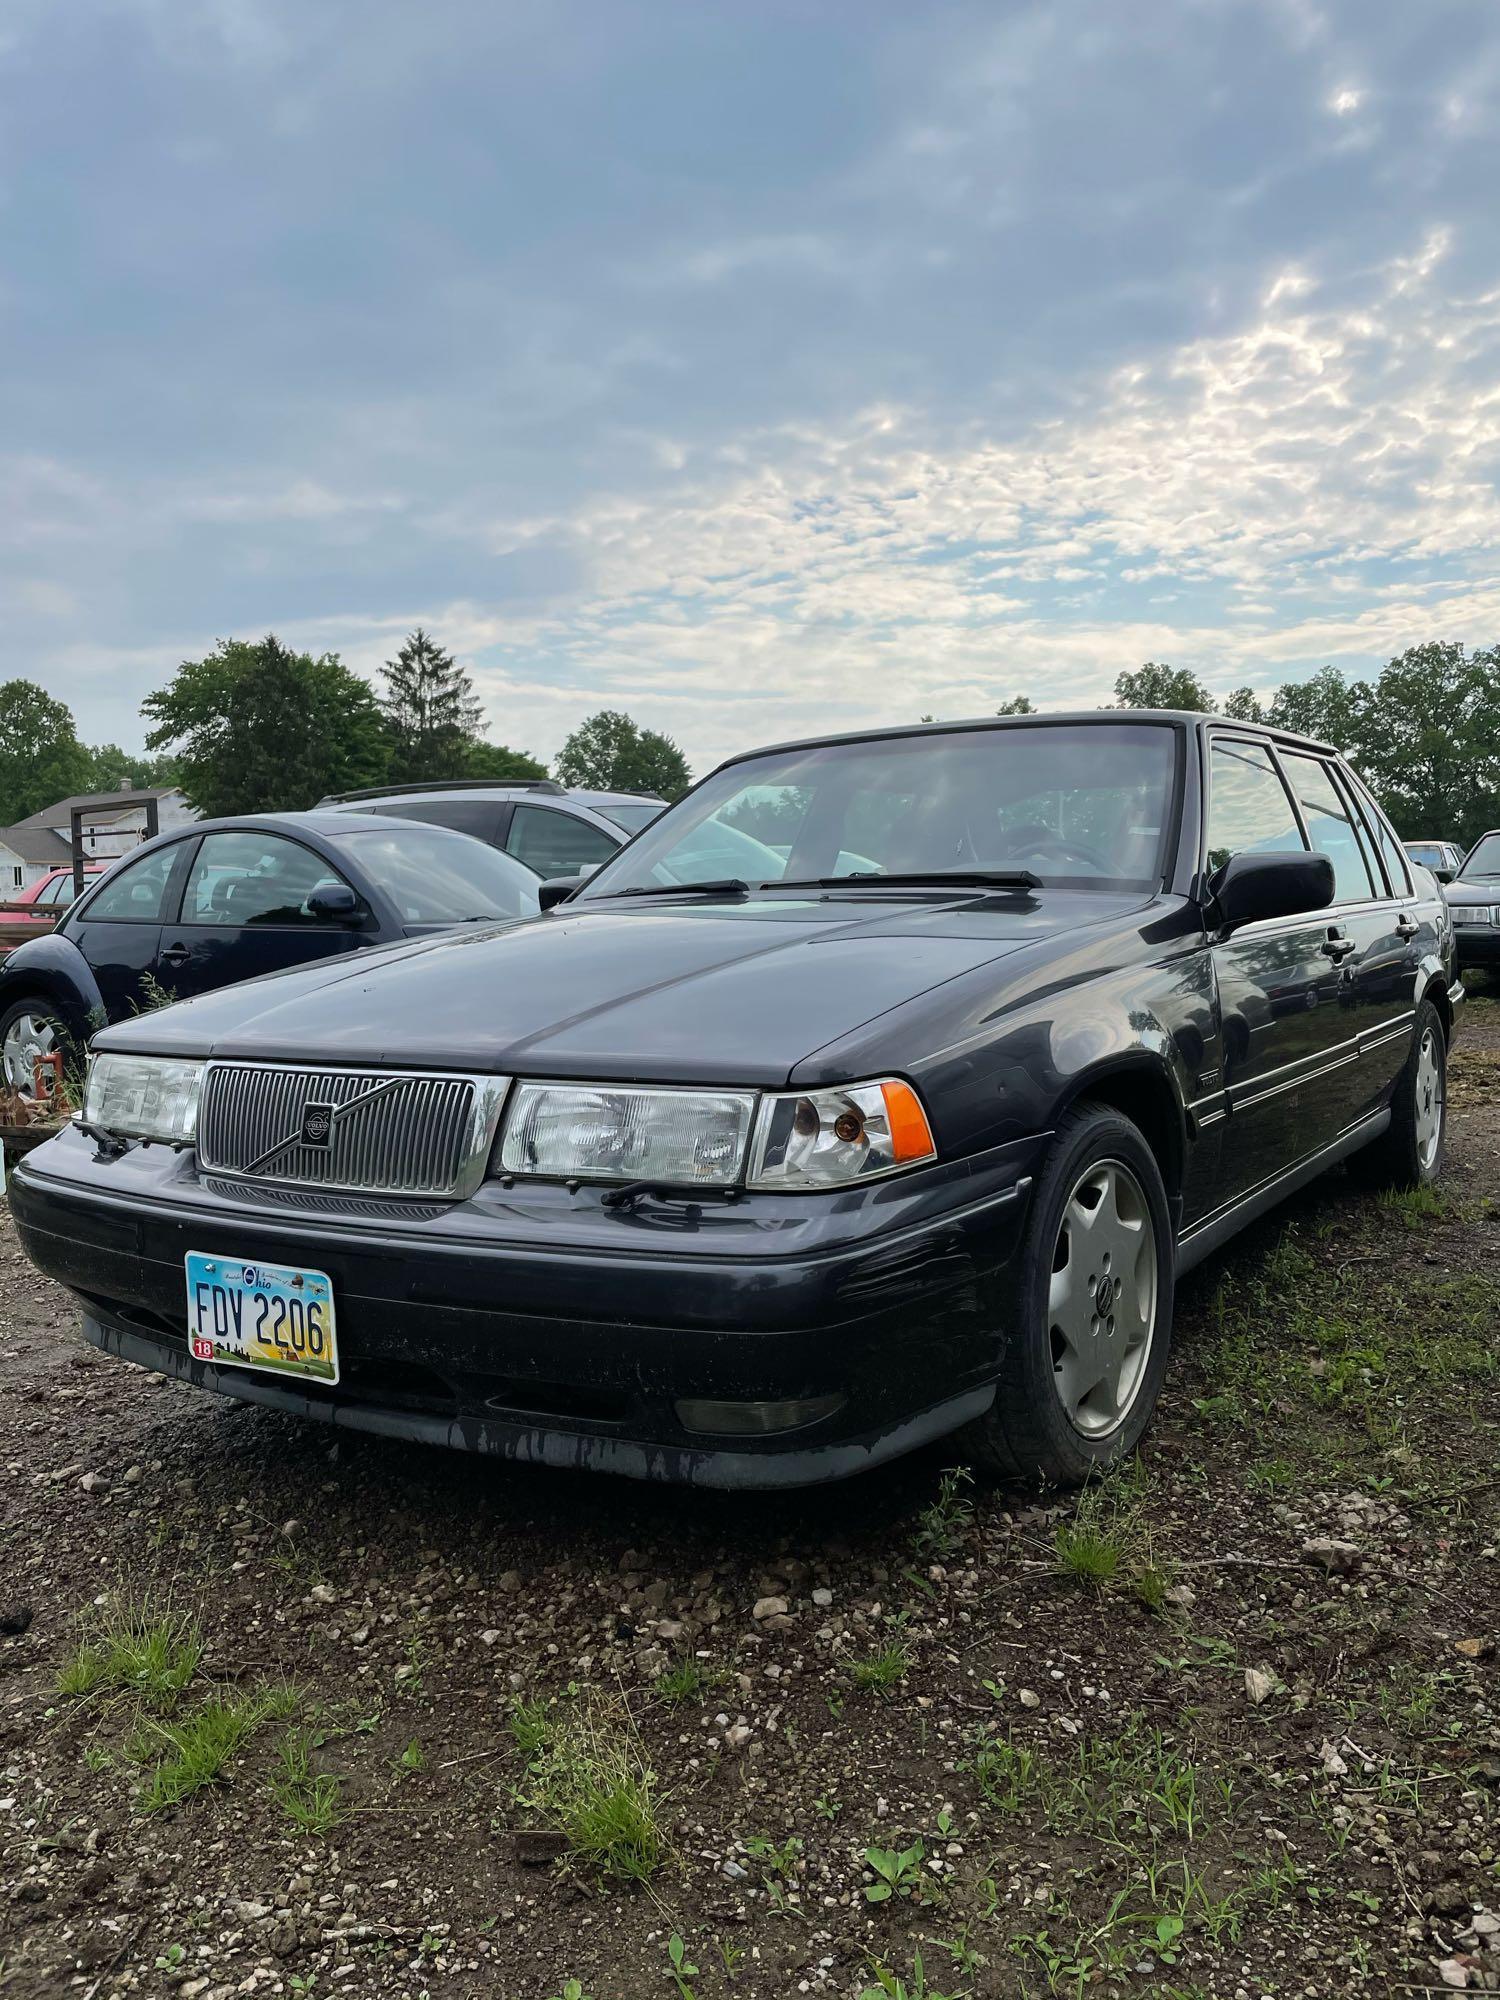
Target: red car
(37, 907)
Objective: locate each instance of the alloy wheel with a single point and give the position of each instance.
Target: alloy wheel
(1102, 1298)
(27, 1037)
(1429, 1101)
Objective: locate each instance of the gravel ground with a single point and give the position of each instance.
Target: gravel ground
(284, 1715)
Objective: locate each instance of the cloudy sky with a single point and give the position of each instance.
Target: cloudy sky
(759, 368)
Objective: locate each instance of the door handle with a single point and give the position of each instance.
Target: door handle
(175, 955)
(1336, 946)
(1407, 925)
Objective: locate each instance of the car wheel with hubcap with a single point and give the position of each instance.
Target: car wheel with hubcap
(1409, 1153)
(1086, 1346)
(28, 1029)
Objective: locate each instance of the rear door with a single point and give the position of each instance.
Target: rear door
(244, 911)
(118, 928)
(1286, 1028)
(1375, 954)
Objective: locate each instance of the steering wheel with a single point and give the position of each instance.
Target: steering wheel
(1040, 843)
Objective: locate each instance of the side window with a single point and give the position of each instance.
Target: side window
(554, 843)
(479, 817)
(1248, 808)
(253, 878)
(136, 893)
(1330, 826)
(1344, 785)
(1390, 848)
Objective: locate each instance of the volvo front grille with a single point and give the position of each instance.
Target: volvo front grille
(363, 1131)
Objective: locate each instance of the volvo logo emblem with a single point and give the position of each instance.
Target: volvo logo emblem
(1104, 1297)
(317, 1126)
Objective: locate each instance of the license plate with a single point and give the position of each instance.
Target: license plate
(261, 1316)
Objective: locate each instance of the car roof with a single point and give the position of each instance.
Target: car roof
(1182, 717)
(329, 824)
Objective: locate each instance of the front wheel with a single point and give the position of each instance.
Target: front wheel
(1090, 1320)
(28, 1029)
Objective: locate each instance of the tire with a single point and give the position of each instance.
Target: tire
(28, 1026)
(1409, 1153)
(1040, 1425)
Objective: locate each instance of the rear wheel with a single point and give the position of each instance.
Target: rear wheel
(1409, 1153)
(28, 1029)
(1091, 1316)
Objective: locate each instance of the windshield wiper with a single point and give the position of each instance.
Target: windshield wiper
(925, 878)
(731, 886)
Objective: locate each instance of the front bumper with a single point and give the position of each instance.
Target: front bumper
(1477, 944)
(536, 1324)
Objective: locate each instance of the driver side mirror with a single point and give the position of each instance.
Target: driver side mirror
(1249, 888)
(335, 903)
(557, 888)
(1444, 874)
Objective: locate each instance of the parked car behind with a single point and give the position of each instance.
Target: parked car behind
(1441, 856)
(35, 910)
(229, 899)
(549, 828)
(1473, 898)
(758, 1181)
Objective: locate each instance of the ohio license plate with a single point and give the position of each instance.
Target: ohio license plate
(261, 1316)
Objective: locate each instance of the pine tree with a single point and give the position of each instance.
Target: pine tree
(431, 712)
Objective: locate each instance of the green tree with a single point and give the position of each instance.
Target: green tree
(259, 728)
(1325, 706)
(41, 758)
(1017, 704)
(112, 769)
(1242, 705)
(1429, 741)
(495, 761)
(610, 752)
(1159, 686)
(431, 712)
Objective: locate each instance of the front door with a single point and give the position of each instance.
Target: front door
(245, 911)
(1289, 1033)
(118, 928)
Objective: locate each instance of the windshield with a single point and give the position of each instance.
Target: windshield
(1483, 865)
(1085, 804)
(437, 877)
(632, 816)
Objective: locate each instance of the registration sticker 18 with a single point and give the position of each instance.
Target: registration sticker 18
(271, 1316)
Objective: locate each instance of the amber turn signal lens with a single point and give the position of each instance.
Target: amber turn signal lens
(911, 1135)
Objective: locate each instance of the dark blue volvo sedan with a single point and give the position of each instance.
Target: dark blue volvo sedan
(900, 1122)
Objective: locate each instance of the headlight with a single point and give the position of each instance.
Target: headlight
(592, 1132)
(143, 1097)
(827, 1138)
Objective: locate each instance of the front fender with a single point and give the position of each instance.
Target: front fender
(53, 969)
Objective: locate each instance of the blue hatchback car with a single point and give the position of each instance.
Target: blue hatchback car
(229, 899)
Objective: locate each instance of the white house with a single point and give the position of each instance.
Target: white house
(117, 822)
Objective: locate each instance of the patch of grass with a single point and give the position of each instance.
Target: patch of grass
(195, 1750)
(1086, 1554)
(882, 1669)
(312, 1800)
(943, 1527)
(131, 1647)
(412, 1759)
(588, 1776)
(1413, 1206)
(1117, 1789)
(688, 1681)
(530, 1723)
(895, 1986)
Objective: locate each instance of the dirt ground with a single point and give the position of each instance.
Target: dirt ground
(290, 1715)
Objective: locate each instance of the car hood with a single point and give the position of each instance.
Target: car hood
(1474, 889)
(685, 992)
